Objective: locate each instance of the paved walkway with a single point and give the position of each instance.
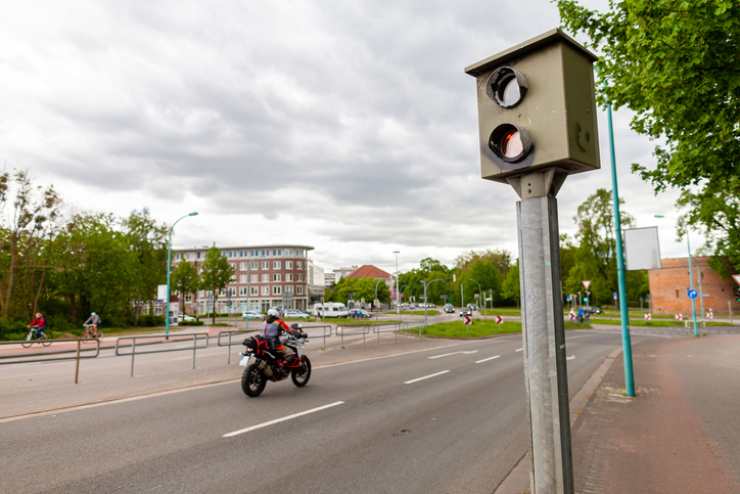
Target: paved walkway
(680, 435)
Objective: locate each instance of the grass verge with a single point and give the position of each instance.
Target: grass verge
(654, 323)
(481, 328)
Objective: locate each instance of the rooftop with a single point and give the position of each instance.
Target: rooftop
(369, 271)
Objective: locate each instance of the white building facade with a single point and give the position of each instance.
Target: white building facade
(264, 276)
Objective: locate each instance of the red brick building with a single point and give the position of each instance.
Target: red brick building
(370, 271)
(669, 286)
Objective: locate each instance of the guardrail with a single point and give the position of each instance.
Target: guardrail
(30, 357)
(176, 338)
(324, 335)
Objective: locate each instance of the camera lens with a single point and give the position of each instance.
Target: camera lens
(507, 86)
(510, 143)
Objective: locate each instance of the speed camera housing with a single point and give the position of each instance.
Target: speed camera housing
(536, 108)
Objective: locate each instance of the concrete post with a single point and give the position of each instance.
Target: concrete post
(543, 335)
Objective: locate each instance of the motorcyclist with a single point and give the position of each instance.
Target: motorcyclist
(275, 326)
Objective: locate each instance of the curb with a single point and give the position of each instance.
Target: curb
(517, 480)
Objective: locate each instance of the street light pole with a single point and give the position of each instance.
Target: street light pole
(691, 279)
(398, 294)
(169, 265)
(425, 284)
(629, 379)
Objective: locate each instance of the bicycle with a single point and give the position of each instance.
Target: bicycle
(35, 334)
(91, 332)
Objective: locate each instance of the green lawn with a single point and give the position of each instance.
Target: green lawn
(481, 328)
(654, 323)
(430, 312)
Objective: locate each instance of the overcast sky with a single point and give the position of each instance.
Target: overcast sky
(349, 126)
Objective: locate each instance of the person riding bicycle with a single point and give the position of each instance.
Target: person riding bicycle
(275, 326)
(92, 322)
(38, 324)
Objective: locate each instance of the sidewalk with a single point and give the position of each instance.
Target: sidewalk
(682, 432)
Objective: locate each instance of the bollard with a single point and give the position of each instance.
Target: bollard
(228, 358)
(77, 363)
(133, 352)
(194, 347)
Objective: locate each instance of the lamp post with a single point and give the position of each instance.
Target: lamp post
(480, 293)
(629, 379)
(377, 284)
(169, 264)
(426, 284)
(398, 294)
(691, 279)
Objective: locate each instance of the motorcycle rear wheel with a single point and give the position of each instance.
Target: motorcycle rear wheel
(301, 376)
(253, 381)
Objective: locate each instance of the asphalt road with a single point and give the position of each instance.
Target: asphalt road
(433, 421)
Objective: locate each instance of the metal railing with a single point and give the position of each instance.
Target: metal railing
(196, 338)
(44, 356)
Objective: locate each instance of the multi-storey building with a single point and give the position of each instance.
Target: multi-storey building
(265, 276)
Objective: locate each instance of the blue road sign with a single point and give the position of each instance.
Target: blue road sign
(692, 293)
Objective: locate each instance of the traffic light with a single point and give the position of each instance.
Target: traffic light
(536, 108)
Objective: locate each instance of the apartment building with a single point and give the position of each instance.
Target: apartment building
(265, 276)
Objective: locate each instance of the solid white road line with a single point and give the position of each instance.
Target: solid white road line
(570, 357)
(282, 419)
(464, 352)
(426, 377)
(518, 349)
(487, 359)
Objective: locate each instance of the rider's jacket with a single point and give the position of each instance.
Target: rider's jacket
(273, 331)
(38, 322)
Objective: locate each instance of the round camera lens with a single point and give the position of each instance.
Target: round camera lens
(511, 144)
(511, 92)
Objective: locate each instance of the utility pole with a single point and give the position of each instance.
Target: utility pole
(169, 268)
(398, 294)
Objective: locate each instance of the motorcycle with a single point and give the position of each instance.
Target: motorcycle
(261, 365)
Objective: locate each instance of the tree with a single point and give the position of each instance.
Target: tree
(358, 289)
(215, 275)
(148, 240)
(410, 282)
(675, 65)
(33, 219)
(185, 280)
(482, 272)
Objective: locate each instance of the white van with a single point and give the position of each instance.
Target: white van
(330, 309)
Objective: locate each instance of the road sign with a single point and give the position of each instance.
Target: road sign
(692, 293)
(586, 284)
(736, 277)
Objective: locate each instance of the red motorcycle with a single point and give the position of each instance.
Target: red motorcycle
(262, 365)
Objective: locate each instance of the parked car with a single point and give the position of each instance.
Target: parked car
(359, 314)
(252, 314)
(449, 308)
(298, 314)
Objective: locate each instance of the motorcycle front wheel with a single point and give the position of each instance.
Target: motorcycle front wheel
(253, 381)
(301, 375)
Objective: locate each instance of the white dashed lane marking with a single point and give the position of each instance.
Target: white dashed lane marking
(487, 359)
(281, 419)
(426, 377)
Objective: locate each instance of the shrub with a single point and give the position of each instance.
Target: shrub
(191, 323)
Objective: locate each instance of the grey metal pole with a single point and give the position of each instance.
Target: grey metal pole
(195, 344)
(77, 363)
(543, 335)
(426, 318)
(702, 313)
(133, 353)
(729, 309)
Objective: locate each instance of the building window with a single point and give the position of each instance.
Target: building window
(254, 265)
(188, 297)
(288, 276)
(265, 277)
(299, 277)
(243, 290)
(288, 264)
(265, 290)
(288, 288)
(276, 277)
(265, 265)
(253, 290)
(299, 265)
(277, 290)
(299, 290)
(254, 278)
(276, 264)
(676, 293)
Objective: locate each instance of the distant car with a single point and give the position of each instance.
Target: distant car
(472, 307)
(449, 308)
(252, 314)
(186, 318)
(298, 314)
(358, 314)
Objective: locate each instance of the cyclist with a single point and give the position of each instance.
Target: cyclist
(38, 325)
(91, 324)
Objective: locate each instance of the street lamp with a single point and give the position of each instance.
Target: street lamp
(691, 279)
(398, 294)
(480, 293)
(426, 284)
(169, 263)
(377, 284)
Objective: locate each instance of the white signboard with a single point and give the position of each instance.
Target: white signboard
(736, 277)
(586, 284)
(641, 248)
(162, 293)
